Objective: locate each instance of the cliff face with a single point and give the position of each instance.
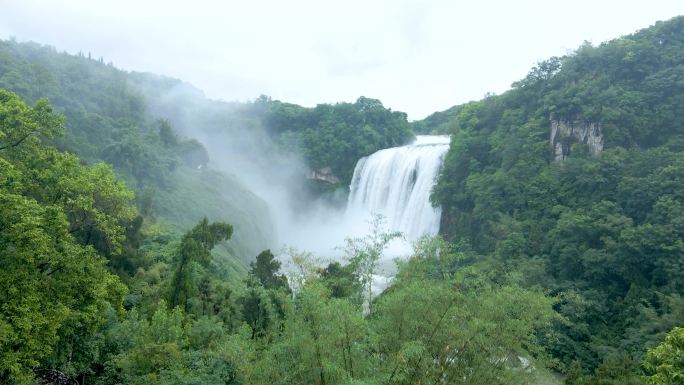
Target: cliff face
(565, 133)
(325, 175)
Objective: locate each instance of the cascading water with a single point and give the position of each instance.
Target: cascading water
(396, 183)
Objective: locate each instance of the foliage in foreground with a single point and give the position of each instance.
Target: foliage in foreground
(58, 223)
(664, 364)
(439, 321)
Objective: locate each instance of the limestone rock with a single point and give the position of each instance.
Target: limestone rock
(565, 133)
(324, 174)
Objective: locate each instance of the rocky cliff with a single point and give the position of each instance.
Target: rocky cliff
(566, 133)
(325, 175)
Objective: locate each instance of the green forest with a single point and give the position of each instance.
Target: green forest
(127, 257)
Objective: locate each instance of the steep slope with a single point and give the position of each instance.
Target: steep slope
(575, 178)
(109, 119)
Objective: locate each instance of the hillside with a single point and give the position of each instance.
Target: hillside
(137, 218)
(118, 117)
(328, 135)
(573, 178)
(107, 119)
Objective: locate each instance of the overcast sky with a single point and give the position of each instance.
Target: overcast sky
(415, 56)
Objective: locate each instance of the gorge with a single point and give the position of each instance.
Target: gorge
(558, 206)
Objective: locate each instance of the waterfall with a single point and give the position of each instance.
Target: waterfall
(396, 183)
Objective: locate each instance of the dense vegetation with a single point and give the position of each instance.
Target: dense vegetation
(109, 120)
(65, 313)
(124, 252)
(335, 136)
(328, 135)
(602, 230)
(437, 122)
(59, 223)
(64, 310)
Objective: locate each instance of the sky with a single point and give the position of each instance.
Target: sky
(415, 56)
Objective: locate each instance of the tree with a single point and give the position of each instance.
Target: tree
(20, 123)
(341, 281)
(50, 285)
(55, 287)
(195, 248)
(456, 329)
(265, 269)
(98, 207)
(323, 341)
(262, 309)
(364, 254)
(664, 364)
(166, 134)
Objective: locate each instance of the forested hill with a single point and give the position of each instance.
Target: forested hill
(575, 178)
(111, 271)
(331, 136)
(147, 127)
(437, 122)
(107, 119)
(563, 213)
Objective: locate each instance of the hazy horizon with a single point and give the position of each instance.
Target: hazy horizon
(415, 57)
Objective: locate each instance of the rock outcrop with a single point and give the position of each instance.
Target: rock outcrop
(565, 133)
(324, 174)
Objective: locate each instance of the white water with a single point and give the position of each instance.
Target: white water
(396, 183)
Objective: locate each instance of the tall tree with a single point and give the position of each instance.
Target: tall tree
(54, 287)
(195, 248)
(266, 268)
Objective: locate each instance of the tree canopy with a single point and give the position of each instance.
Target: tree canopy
(601, 226)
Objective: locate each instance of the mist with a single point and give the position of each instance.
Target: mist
(242, 192)
(241, 146)
(415, 57)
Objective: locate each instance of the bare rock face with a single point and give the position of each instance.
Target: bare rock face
(565, 133)
(55, 377)
(324, 174)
